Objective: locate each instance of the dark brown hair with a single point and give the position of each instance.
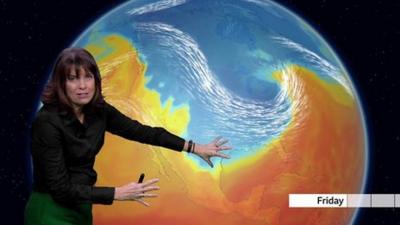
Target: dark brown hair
(68, 59)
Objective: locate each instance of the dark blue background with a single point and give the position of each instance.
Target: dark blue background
(365, 34)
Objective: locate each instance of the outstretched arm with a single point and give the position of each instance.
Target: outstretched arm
(119, 124)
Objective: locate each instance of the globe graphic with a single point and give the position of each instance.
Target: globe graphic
(251, 71)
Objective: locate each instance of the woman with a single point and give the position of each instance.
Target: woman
(68, 132)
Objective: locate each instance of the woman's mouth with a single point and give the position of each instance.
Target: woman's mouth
(82, 95)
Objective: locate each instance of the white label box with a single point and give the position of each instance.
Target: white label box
(344, 200)
(317, 200)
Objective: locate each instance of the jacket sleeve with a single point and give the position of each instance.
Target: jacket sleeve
(48, 157)
(121, 125)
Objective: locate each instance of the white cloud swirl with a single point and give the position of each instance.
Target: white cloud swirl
(241, 117)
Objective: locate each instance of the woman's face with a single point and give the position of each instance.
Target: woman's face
(80, 87)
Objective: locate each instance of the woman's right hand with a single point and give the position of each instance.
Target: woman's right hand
(136, 191)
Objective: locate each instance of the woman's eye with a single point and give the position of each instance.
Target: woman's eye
(71, 77)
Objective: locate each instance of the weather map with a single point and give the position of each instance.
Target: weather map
(250, 71)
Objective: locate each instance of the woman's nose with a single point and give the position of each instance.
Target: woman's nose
(82, 83)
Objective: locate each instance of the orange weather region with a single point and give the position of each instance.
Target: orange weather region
(324, 154)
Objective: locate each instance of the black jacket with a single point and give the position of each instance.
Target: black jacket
(64, 150)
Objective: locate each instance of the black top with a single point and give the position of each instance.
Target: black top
(64, 150)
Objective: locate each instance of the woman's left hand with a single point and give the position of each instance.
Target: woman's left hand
(212, 149)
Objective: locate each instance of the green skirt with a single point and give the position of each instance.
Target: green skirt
(41, 209)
